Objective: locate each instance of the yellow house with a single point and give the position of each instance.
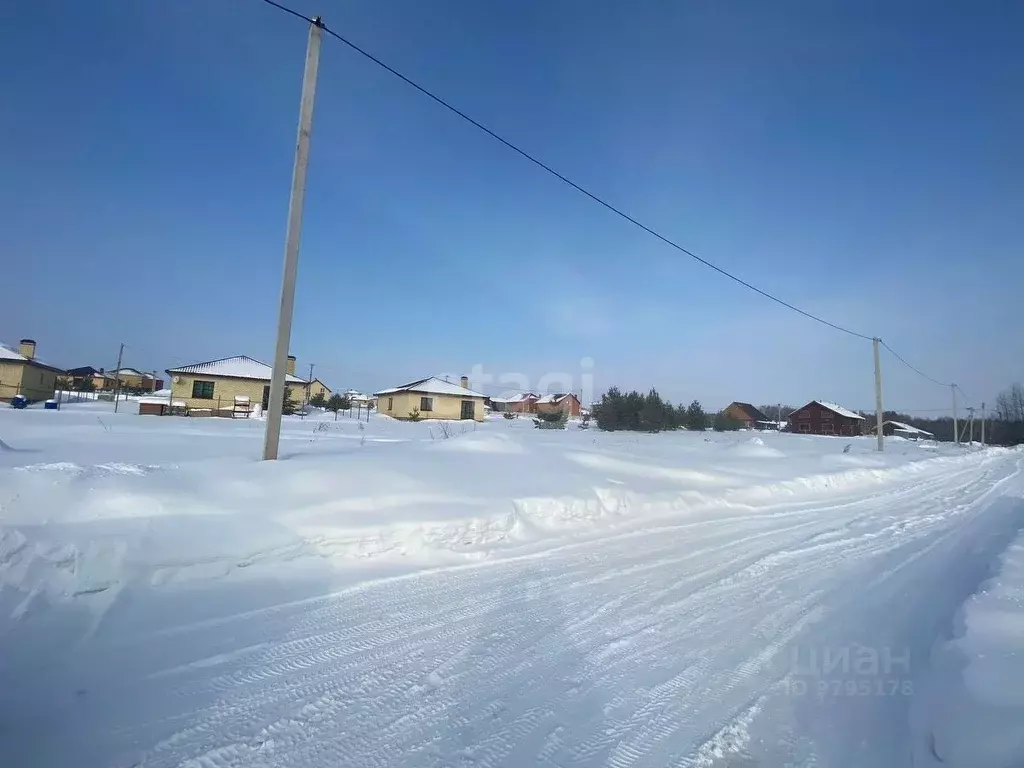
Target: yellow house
(130, 378)
(22, 374)
(317, 387)
(431, 398)
(229, 386)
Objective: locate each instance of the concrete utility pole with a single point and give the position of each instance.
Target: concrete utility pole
(272, 437)
(970, 442)
(878, 397)
(956, 425)
(117, 375)
(982, 425)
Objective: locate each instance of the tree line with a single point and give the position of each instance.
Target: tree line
(635, 412)
(1004, 424)
(333, 403)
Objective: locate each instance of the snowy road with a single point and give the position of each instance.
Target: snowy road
(784, 635)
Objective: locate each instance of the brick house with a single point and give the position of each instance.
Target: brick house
(431, 398)
(97, 376)
(213, 388)
(820, 417)
(748, 415)
(522, 402)
(22, 374)
(566, 402)
(317, 387)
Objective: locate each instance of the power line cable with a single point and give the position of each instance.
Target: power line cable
(540, 164)
(911, 367)
(600, 201)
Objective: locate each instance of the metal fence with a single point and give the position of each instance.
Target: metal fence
(217, 407)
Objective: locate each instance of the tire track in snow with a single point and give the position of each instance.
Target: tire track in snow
(642, 649)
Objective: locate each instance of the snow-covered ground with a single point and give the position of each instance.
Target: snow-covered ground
(503, 596)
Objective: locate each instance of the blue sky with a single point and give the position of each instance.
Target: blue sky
(862, 160)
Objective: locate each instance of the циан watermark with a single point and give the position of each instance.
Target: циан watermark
(849, 670)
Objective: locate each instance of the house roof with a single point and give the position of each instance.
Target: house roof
(839, 409)
(7, 353)
(752, 413)
(517, 398)
(237, 367)
(557, 397)
(320, 382)
(85, 370)
(432, 385)
(901, 427)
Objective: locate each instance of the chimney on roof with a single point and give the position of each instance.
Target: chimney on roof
(290, 367)
(464, 381)
(27, 348)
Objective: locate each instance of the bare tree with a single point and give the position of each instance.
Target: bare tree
(1010, 404)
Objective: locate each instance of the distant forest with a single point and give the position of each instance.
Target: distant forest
(633, 411)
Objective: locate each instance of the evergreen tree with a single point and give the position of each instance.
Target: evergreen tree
(632, 408)
(334, 403)
(695, 417)
(725, 423)
(652, 413)
(551, 420)
(607, 412)
(319, 400)
(289, 405)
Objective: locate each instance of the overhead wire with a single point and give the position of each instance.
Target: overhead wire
(583, 190)
(912, 367)
(561, 177)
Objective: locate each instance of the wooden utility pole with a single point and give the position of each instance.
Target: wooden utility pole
(117, 375)
(982, 425)
(272, 437)
(956, 424)
(878, 397)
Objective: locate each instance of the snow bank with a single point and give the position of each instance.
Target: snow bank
(90, 500)
(973, 713)
(502, 596)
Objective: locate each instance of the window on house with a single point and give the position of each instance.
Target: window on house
(426, 403)
(805, 427)
(40, 377)
(202, 390)
(391, 403)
